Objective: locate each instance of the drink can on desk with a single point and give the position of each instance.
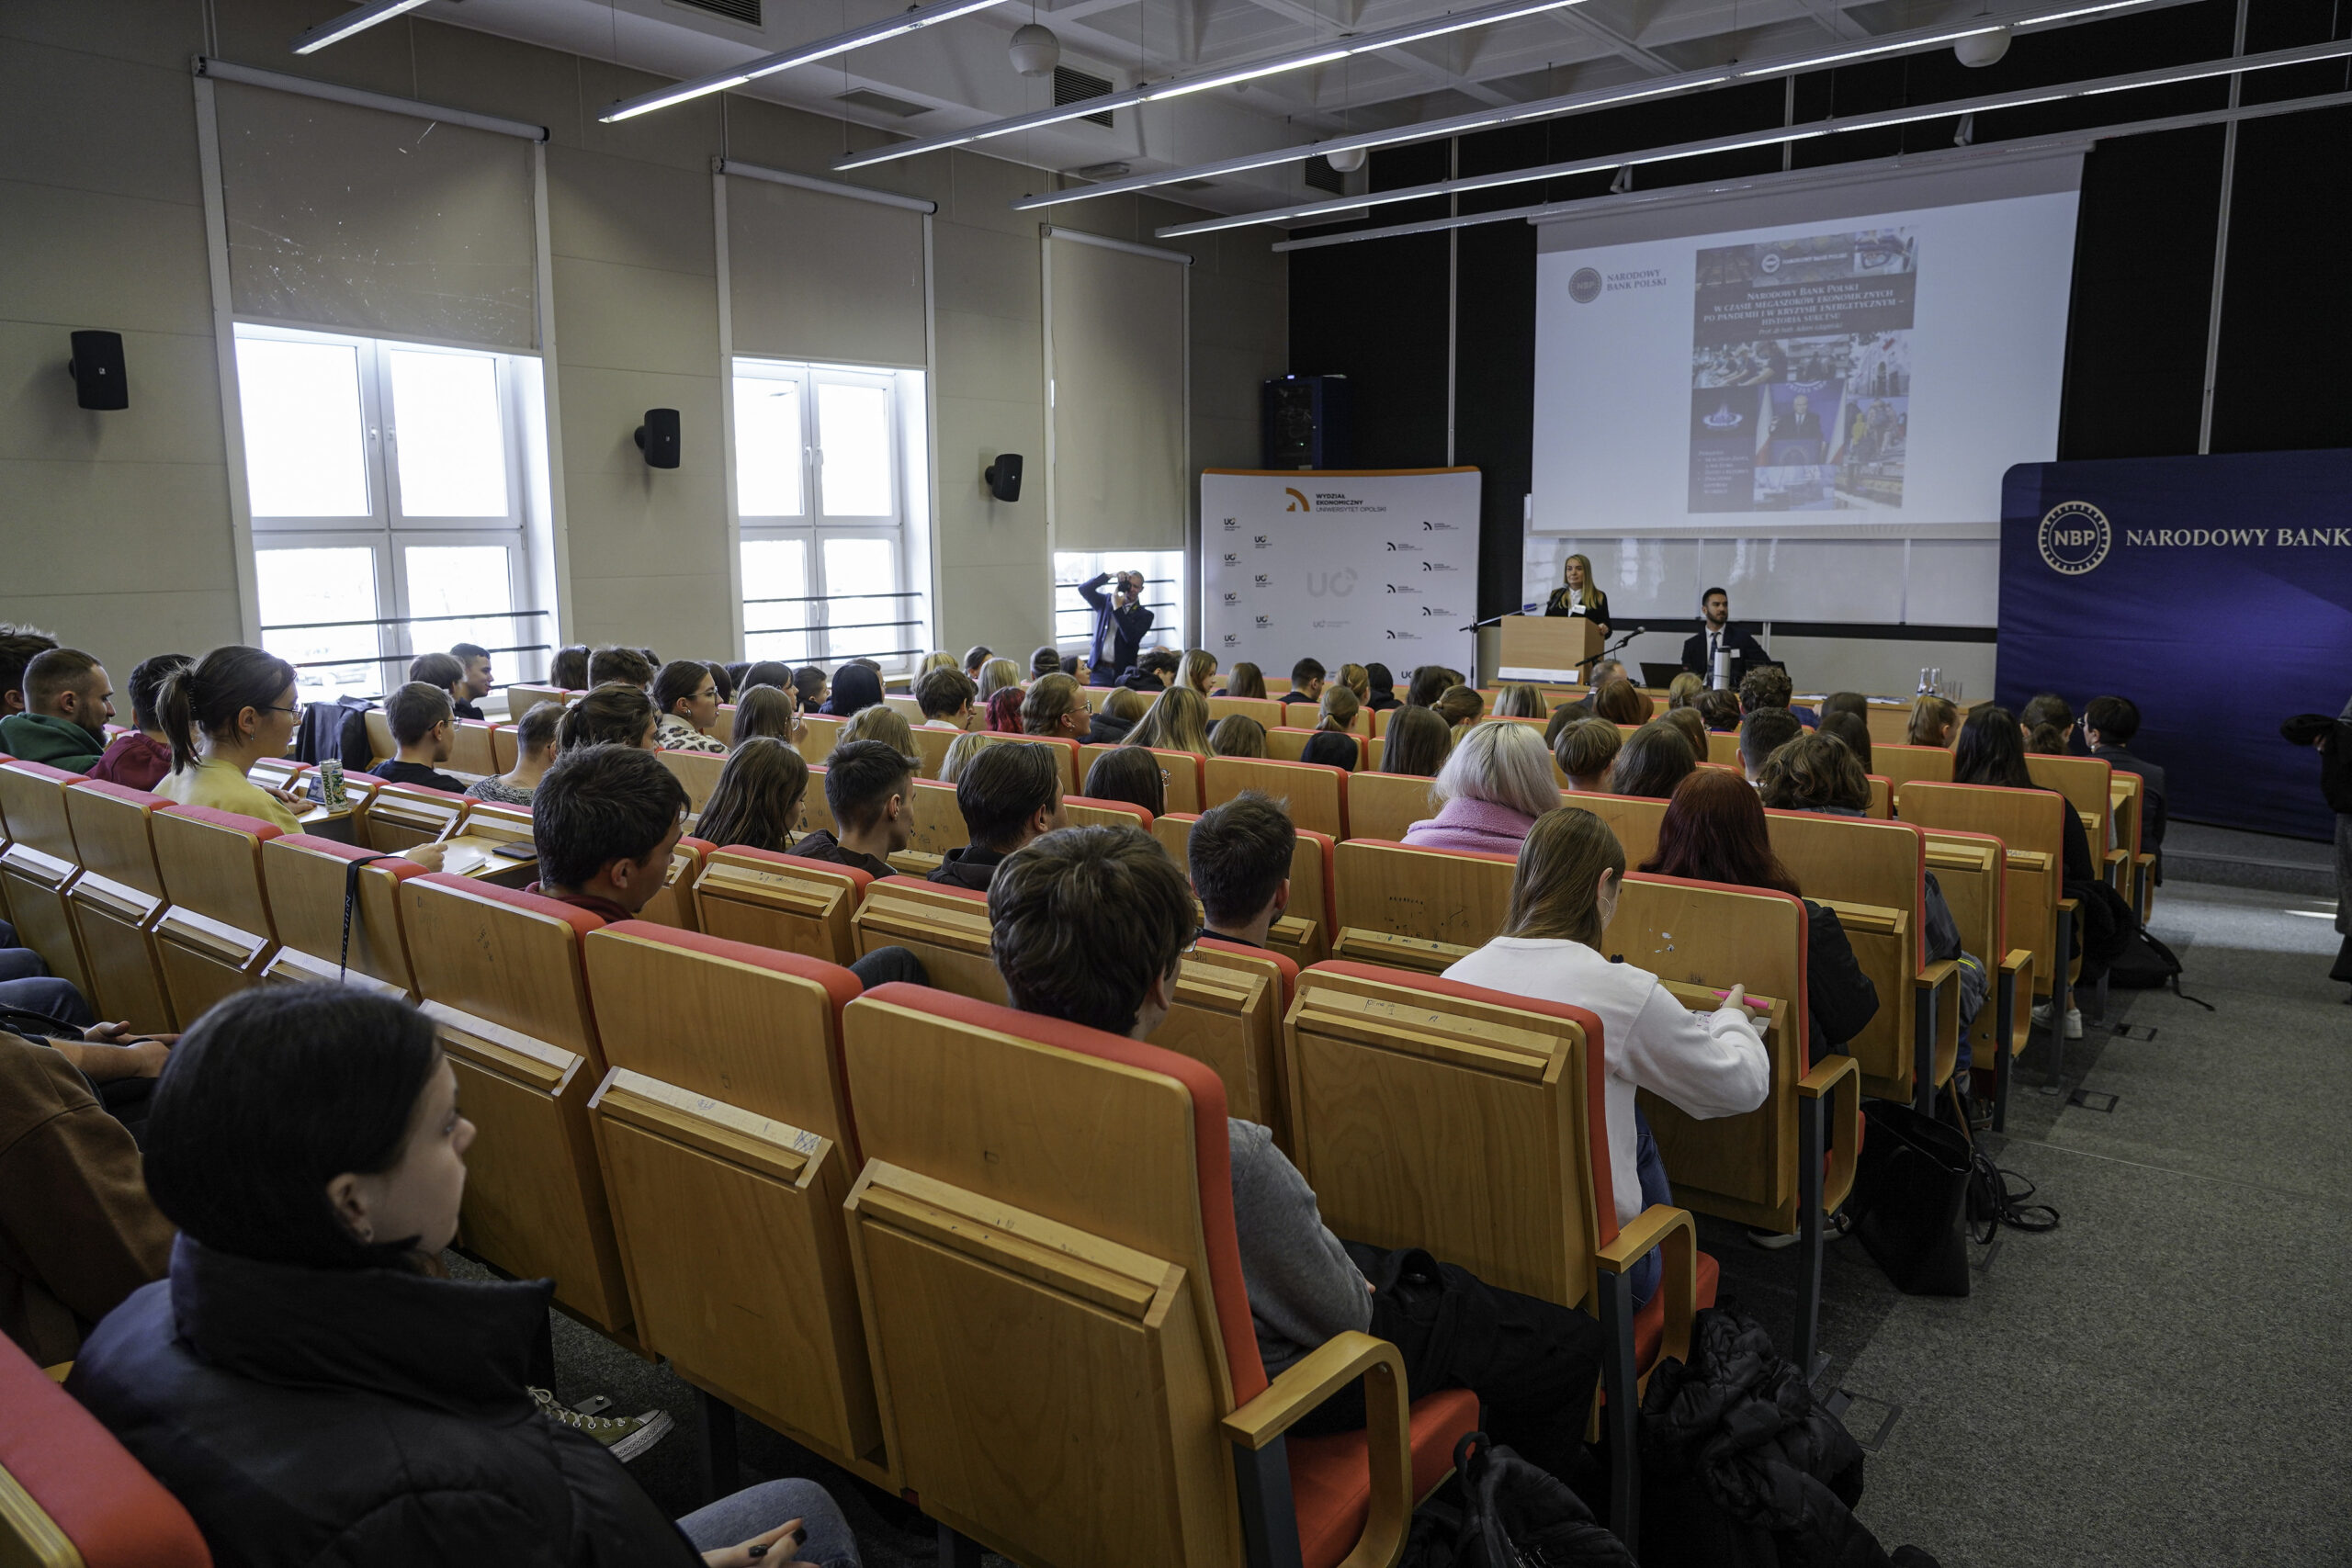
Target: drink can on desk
(331, 784)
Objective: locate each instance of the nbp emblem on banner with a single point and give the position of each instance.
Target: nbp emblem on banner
(2075, 537)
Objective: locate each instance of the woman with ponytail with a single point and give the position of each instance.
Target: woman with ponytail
(612, 715)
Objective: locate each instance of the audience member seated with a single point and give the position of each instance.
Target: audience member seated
(231, 710)
(1330, 748)
(1653, 762)
(1417, 743)
(568, 671)
(1620, 702)
(535, 739)
(1763, 732)
(813, 687)
(1129, 773)
(1047, 660)
(1247, 681)
(604, 821)
(1240, 853)
(1151, 672)
(1009, 795)
(997, 675)
(962, 749)
(422, 729)
(1932, 723)
(1563, 896)
(1429, 683)
(1054, 708)
(722, 676)
(141, 759)
(1491, 790)
(77, 1231)
(1693, 729)
(1684, 691)
(2047, 740)
(2048, 709)
(869, 787)
(1585, 750)
(757, 801)
(445, 671)
(1091, 926)
(762, 672)
(303, 1383)
(945, 698)
(768, 711)
(1853, 731)
(1237, 735)
(1991, 751)
(1461, 706)
(1005, 709)
(937, 658)
(1197, 670)
(1122, 707)
(1769, 687)
(1176, 721)
(68, 700)
(609, 716)
(1380, 688)
(887, 725)
(19, 644)
(1520, 702)
(975, 658)
(2108, 725)
(629, 666)
(685, 701)
(465, 698)
(1720, 709)
(1305, 682)
(855, 688)
(1713, 831)
(1338, 709)
(1852, 703)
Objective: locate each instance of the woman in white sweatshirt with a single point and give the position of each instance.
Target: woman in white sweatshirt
(1707, 1065)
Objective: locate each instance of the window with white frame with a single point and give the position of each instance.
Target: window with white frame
(388, 484)
(1163, 594)
(829, 480)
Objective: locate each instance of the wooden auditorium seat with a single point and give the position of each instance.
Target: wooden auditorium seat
(781, 901)
(1317, 796)
(116, 901)
(1044, 1226)
(698, 771)
(677, 905)
(506, 748)
(1226, 1014)
(1972, 870)
(217, 935)
(1635, 819)
(313, 883)
(820, 734)
(1303, 934)
(1900, 764)
(2087, 782)
(1265, 710)
(1078, 811)
(1382, 806)
(1289, 745)
(1431, 1113)
(1417, 908)
(401, 816)
(1180, 775)
(947, 928)
(382, 746)
(932, 746)
(71, 1496)
(40, 866)
(471, 749)
(1765, 1168)
(523, 697)
(1881, 806)
(1723, 748)
(725, 1130)
(499, 973)
(937, 826)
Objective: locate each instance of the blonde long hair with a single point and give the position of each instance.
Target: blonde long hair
(1555, 892)
(1197, 670)
(1178, 721)
(1583, 560)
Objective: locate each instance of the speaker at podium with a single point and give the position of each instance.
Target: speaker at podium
(1557, 648)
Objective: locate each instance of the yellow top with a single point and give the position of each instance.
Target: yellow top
(222, 787)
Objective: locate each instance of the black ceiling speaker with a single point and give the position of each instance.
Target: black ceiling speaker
(658, 438)
(96, 369)
(1003, 475)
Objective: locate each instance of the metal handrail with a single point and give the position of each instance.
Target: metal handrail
(405, 657)
(845, 626)
(827, 598)
(399, 621)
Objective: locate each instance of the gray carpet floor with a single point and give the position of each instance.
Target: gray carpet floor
(2162, 1379)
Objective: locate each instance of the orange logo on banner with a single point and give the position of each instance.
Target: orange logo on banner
(1299, 497)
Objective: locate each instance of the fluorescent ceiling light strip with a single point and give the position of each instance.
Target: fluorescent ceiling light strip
(1300, 59)
(1568, 102)
(1812, 62)
(805, 54)
(1740, 141)
(343, 27)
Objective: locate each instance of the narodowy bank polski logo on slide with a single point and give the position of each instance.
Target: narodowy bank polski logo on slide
(1584, 286)
(2075, 537)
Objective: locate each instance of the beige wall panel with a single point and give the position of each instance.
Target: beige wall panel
(607, 208)
(380, 58)
(986, 272)
(152, 32)
(122, 628)
(112, 127)
(174, 412)
(656, 520)
(680, 137)
(602, 409)
(82, 259)
(999, 605)
(665, 613)
(990, 356)
(99, 527)
(978, 189)
(824, 278)
(635, 318)
(488, 74)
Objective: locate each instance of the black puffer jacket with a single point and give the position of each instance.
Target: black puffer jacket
(1841, 1001)
(308, 1416)
(1737, 1456)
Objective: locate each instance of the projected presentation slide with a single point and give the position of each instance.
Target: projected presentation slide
(1799, 370)
(1885, 363)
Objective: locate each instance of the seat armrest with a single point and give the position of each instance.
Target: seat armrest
(1326, 1370)
(2019, 962)
(2068, 906)
(1840, 1078)
(1661, 1226)
(1936, 974)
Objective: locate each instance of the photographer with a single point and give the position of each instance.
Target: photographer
(1120, 623)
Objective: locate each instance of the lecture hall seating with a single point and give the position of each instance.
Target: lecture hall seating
(40, 866)
(216, 936)
(782, 901)
(315, 886)
(71, 1496)
(116, 901)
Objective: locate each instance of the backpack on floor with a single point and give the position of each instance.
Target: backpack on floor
(2147, 964)
(1511, 1514)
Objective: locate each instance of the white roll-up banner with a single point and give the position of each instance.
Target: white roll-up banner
(1345, 566)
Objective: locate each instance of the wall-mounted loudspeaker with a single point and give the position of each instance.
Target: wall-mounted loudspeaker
(1004, 477)
(658, 438)
(96, 369)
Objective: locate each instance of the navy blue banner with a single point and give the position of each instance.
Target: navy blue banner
(2216, 592)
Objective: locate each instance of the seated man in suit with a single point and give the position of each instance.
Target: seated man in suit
(2108, 725)
(1091, 925)
(1717, 633)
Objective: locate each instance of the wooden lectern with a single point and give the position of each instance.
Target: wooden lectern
(1547, 648)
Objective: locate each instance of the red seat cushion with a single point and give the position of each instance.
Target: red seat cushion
(582, 921)
(1331, 1478)
(113, 1511)
(1649, 1324)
